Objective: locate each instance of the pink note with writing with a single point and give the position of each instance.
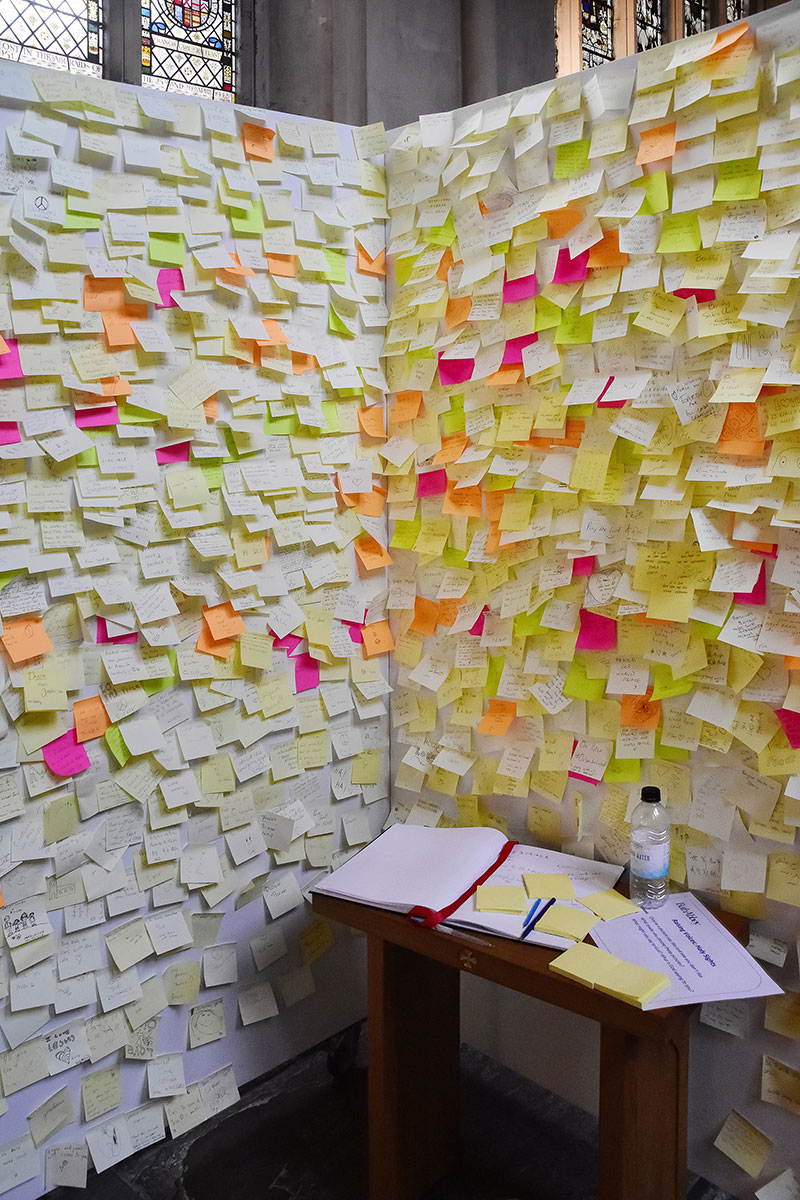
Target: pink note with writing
(288, 644)
(179, 452)
(791, 725)
(520, 289)
(9, 363)
(583, 565)
(170, 279)
(432, 483)
(759, 592)
(9, 433)
(91, 418)
(569, 269)
(66, 756)
(306, 673)
(123, 639)
(596, 632)
(515, 346)
(455, 370)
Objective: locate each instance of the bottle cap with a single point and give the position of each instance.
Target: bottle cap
(651, 794)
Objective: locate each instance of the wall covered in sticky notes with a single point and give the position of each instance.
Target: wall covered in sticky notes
(594, 428)
(194, 637)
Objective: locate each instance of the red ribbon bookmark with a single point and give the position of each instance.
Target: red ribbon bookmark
(426, 917)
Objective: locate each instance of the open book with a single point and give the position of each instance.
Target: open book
(415, 867)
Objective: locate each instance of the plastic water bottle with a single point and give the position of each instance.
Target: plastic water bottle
(649, 870)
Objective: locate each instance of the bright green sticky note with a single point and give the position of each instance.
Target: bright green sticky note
(547, 314)
(575, 328)
(623, 770)
(252, 222)
(116, 745)
(496, 664)
(152, 686)
(571, 158)
(656, 192)
(337, 266)
(167, 249)
(528, 624)
(129, 414)
(442, 235)
(87, 457)
(453, 421)
(499, 483)
(579, 686)
(670, 753)
(738, 180)
(330, 411)
(454, 558)
(406, 533)
(665, 686)
(281, 426)
(680, 234)
(403, 268)
(212, 473)
(84, 221)
(7, 576)
(337, 325)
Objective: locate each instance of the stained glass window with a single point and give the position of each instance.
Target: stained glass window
(736, 9)
(649, 24)
(65, 34)
(696, 16)
(597, 32)
(189, 46)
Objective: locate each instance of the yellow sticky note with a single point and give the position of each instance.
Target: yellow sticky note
(633, 984)
(609, 904)
(743, 1143)
(494, 897)
(566, 922)
(544, 887)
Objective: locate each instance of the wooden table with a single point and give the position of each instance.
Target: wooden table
(414, 1042)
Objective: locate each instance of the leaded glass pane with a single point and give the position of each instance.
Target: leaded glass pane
(649, 24)
(736, 9)
(63, 34)
(597, 32)
(189, 46)
(696, 16)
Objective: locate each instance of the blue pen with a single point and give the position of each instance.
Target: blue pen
(537, 918)
(527, 920)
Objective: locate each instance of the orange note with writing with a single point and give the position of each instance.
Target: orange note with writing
(91, 719)
(497, 721)
(377, 638)
(223, 621)
(640, 712)
(371, 421)
(655, 144)
(258, 141)
(24, 639)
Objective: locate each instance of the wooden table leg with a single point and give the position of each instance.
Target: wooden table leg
(644, 1085)
(413, 1031)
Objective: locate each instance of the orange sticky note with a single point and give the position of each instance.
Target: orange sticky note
(223, 621)
(497, 720)
(606, 252)
(426, 615)
(371, 554)
(369, 504)
(281, 264)
(257, 141)
(91, 719)
(372, 421)
(302, 363)
(453, 446)
(25, 639)
(275, 335)
(216, 647)
(458, 311)
(742, 432)
(370, 266)
(467, 502)
(562, 221)
(406, 407)
(728, 36)
(655, 144)
(640, 712)
(103, 295)
(377, 638)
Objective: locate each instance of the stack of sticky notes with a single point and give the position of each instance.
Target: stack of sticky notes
(499, 898)
(563, 921)
(543, 887)
(595, 968)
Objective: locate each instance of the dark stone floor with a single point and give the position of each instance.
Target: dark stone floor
(300, 1134)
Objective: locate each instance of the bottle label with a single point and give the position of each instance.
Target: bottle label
(650, 861)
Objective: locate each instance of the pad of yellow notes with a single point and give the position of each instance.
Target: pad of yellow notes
(595, 968)
(566, 922)
(609, 904)
(495, 897)
(546, 887)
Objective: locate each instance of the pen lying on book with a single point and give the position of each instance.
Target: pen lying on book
(533, 920)
(529, 917)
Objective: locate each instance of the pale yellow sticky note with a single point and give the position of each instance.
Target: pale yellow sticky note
(609, 904)
(782, 1015)
(585, 964)
(566, 922)
(546, 887)
(745, 1145)
(780, 1084)
(634, 984)
(494, 897)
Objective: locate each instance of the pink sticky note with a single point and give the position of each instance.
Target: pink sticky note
(306, 673)
(791, 725)
(701, 295)
(601, 403)
(759, 592)
(569, 269)
(455, 370)
(170, 279)
(123, 639)
(583, 778)
(9, 363)
(515, 346)
(66, 756)
(520, 289)
(596, 632)
(9, 433)
(179, 452)
(477, 628)
(91, 418)
(583, 565)
(288, 644)
(356, 635)
(432, 483)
